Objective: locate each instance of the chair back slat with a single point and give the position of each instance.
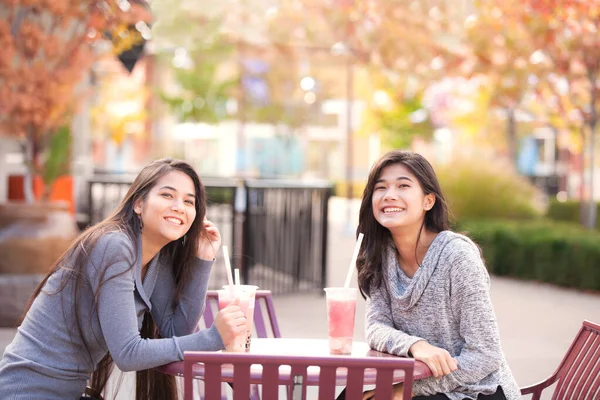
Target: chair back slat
(354, 384)
(241, 377)
(265, 295)
(263, 300)
(270, 382)
(572, 368)
(384, 382)
(594, 389)
(209, 314)
(408, 384)
(579, 369)
(295, 366)
(592, 358)
(212, 381)
(259, 321)
(297, 389)
(327, 379)
(188, 380)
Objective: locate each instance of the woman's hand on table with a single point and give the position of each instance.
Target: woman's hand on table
(396, 394)
(439, 361)
(230, 322)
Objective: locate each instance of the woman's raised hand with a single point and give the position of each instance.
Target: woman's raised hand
(439, 361)
(230, 322)
(210, 241)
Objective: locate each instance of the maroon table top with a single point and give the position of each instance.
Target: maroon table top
(296, 347)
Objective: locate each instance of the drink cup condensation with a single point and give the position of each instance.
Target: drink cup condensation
(341, 312)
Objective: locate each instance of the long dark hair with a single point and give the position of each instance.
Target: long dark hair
(377, 237)
(150, 385)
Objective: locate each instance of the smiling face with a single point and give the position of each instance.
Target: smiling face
(168, 210)
(398, 199)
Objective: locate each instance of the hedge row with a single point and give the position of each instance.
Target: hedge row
(559, 253)
(569, 211)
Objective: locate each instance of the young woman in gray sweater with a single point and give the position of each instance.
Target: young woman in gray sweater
(427, 288)
(130, 290)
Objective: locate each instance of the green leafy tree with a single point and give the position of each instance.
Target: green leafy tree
(203, 91)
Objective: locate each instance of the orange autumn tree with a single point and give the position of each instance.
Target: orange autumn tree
(48, 46)
(571, 44)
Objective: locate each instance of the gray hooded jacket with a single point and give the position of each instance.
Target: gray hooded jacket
(447, 303)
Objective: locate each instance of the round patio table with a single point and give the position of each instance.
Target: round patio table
(300, 347)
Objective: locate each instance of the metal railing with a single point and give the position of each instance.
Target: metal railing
(276, 229)
(285, 235)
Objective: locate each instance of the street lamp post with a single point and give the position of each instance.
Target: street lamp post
(349, 152)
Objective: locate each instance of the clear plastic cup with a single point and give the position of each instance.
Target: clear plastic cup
(341, 312)
(247, 295)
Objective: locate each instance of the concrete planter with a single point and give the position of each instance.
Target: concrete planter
(34, 236)
(15, 291)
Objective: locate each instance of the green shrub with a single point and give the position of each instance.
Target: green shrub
(219, 195)
(476, 190)
(569, 211)
(559, 253)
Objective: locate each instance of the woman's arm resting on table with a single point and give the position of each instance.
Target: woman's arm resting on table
(381, 333)
(472, 306)
(117, 312)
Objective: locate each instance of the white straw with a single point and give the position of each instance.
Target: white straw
(237, 276)
(353, 261)
(228, 267)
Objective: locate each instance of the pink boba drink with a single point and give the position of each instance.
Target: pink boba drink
(341, 312)
(246, 294)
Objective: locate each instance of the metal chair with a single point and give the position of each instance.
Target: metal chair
(292, 373)
(578, 375)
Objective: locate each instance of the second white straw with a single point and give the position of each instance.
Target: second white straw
(236, 276)
(353, 261)
(228, 267)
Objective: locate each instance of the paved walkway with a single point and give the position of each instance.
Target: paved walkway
(537, 321)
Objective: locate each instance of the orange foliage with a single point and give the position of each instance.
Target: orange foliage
(47, 48)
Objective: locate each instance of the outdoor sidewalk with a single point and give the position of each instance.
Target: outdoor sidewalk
(537, 321)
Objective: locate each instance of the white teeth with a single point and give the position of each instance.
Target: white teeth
(175, 221)
(391, 209)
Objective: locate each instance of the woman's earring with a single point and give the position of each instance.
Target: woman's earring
(183, 240)
(141, 222)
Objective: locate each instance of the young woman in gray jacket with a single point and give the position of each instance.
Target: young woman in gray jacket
(427, 288)
(129, 291)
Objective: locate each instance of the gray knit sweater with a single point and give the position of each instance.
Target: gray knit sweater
(446, 303)
(50, 360)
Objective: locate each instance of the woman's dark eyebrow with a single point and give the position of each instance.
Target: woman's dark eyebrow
(173, 189)
(400, 178)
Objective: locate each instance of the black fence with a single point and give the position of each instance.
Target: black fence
(276, 230)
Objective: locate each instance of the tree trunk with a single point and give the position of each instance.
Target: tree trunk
(591, 217)
(582, 198)
(511, 134)
(592, 207)
(29, 171)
